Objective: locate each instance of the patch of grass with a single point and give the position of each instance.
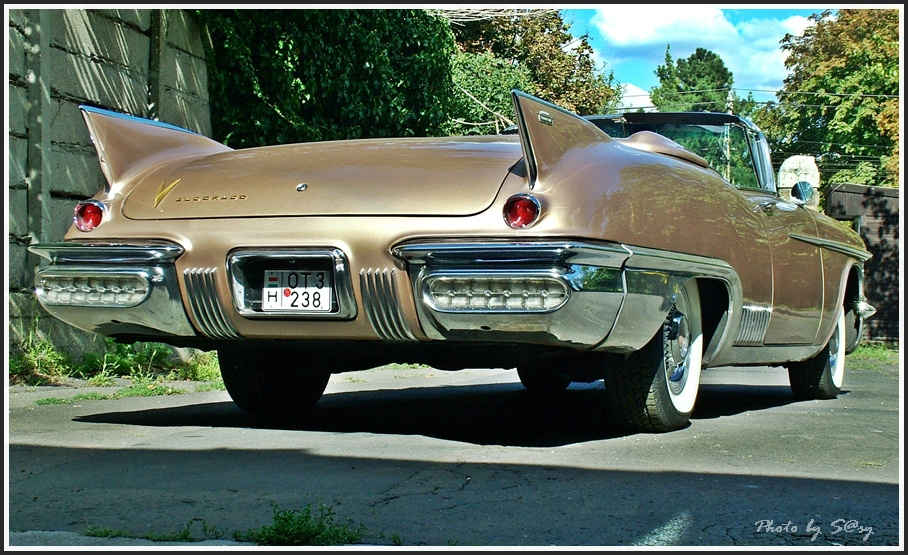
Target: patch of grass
(53, 401)
(127, 360)
(98, 532)
(214, 385)
(135, 390)
(302, 527)
(146, 389)
(406, 366)
(90, 396)
(201, 367)
(870, 356)
(38, 362)
(104, 378)
(184, 535)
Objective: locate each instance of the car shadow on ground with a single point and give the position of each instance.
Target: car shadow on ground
(487, 414)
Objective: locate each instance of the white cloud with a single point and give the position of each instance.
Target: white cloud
(630, 26)
(749, 43)
(635, 97)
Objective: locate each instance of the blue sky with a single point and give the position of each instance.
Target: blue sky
(630, 40)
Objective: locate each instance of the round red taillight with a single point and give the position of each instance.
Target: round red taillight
(521, 211)
(88, 215)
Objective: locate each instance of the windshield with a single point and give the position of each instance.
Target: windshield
(725, 146)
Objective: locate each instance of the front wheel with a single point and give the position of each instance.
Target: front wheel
(270, 380)
(655, 388)
(821, 377)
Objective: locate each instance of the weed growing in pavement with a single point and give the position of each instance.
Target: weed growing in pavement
(184, 535)
(302, 527)
(97, 532)
(289, 527)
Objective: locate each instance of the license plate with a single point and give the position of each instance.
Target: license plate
(297, 291)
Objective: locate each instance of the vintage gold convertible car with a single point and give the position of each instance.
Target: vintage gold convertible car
(561, 251)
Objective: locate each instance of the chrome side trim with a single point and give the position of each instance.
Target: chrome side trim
(382, 305)
(754, 323)
(202, 293)
(836, 246)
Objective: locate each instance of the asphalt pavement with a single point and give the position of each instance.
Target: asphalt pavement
(424, 457)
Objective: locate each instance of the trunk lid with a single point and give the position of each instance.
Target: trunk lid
(450, 176)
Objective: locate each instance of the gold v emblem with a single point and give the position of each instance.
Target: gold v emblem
(163, 191)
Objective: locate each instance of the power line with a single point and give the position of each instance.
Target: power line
(843, 95)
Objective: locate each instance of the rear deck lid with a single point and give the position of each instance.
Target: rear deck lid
(451, 176)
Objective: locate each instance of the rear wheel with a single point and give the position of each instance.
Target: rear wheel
(655, 388)
(543, 378)
(821, 377)
(270, 380)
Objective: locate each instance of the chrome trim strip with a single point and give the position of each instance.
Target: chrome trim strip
(836, 246)
(526, 145)
(129, 117)
(108, 253)
(202, 292)
(653, 278)
(382, 305)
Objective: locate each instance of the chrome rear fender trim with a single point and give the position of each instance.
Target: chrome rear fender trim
(652, 279)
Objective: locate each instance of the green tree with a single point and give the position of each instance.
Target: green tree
(560, 67)
(283, 76)
(840, 102)
(696, 83)
(482, 102)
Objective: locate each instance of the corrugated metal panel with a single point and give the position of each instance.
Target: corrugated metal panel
(875, 212)
(846, 201)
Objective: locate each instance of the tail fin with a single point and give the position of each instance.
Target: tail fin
(547, 132)
(127, 145)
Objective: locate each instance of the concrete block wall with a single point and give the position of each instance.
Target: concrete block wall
(144, 62)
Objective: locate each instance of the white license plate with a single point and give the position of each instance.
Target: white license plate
(297, 291)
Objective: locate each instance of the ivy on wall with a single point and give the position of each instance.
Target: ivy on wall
(287, 76)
